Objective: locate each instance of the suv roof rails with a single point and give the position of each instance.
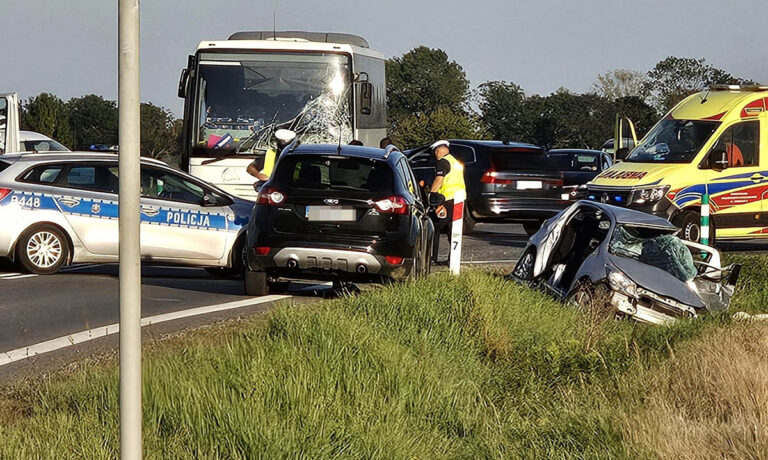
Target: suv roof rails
(738, 87)
(287, 35)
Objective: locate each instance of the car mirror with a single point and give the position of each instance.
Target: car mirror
(718, 160)
(435, 199)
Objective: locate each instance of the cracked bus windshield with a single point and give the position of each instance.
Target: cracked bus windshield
(243, 98)
(673, 141)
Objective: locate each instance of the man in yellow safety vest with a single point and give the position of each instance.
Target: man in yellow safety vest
(261, 168)
(449, 179)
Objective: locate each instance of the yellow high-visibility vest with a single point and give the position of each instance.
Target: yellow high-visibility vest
(269, 162)
(454, 180)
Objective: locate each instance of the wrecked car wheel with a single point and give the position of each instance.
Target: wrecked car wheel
(592, 299)
(524, 268)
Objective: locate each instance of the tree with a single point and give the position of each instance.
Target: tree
(619, 83)
(441, 123)
(504, 112)
(47, 114)
(673, 79)
(159, 132)
(93, 120)
(422, 80)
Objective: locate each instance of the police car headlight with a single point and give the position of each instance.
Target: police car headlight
(649, 195)
(621, 283)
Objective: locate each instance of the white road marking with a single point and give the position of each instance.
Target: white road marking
(18, 277)
(470, 262)
(11, 356)
(6, 275)
(79, 267)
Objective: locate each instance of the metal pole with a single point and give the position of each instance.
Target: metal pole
(130, 256)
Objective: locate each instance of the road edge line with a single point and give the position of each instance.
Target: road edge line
(12, 356)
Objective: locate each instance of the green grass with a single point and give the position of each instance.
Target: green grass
(471, 367)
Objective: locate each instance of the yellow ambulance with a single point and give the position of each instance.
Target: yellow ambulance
(714, 142)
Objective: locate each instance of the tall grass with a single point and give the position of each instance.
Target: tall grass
(468, 367)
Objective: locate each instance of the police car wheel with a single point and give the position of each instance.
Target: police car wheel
(689, 223)
(256, 283)
(43, 250)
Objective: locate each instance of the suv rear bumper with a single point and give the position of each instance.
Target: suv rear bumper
(516, 209)
(353, 264)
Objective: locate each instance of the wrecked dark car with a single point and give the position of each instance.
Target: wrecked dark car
(645, 271)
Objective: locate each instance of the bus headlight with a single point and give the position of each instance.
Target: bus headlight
(649, 195)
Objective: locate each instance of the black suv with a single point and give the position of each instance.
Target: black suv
(506, 181)
(342, 213)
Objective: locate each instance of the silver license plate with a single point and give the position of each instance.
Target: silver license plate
(331, 213)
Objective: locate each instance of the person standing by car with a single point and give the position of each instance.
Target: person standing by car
(449, 179)
(263, 169)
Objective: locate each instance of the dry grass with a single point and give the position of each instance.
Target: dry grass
(709, 401)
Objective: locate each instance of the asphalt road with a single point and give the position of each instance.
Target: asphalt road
(36, 309)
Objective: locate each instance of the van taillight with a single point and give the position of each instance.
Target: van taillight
(4, 192)
(392, 205)
(490, 177)
(270, 196)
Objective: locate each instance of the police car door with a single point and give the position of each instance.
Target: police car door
(86, 193)
(737, 193)
(176, 223)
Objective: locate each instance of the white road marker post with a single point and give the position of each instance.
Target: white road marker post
(457, 229)
(129, 227)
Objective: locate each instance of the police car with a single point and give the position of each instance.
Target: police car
(58, 209)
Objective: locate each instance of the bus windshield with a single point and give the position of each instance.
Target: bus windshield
(245, 97)
(673, 141)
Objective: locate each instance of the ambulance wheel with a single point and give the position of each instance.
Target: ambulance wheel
(42, 250)
(689, 223)
(256, 283)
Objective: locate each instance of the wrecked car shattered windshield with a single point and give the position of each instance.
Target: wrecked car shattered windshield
(654, 247)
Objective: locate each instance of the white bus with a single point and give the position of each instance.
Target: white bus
(327, 87)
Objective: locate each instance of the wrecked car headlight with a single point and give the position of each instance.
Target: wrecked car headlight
(621, 283)
(649, 195)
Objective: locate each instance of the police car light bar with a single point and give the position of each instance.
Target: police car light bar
(738, 87)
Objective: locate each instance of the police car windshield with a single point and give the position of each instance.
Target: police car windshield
(244, 97)
(673, 141)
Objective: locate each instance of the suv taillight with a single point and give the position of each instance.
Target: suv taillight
(4, 192)
(392, 205)
(490, 178)
(270, 196)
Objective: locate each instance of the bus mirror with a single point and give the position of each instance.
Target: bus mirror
(366, 97)
(183, 83)
(718, 160)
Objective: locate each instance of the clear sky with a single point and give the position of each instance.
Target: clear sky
(68, 47)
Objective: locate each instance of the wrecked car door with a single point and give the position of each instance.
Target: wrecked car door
(545, 248)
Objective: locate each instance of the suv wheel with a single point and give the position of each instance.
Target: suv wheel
(469, 222)
(42, 250)
(256, 283)
(532, 227)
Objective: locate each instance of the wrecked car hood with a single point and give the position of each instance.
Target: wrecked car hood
(657, 281)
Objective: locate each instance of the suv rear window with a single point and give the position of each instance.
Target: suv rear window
(520, 159)
(348, 174)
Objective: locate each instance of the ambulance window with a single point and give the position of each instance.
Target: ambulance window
(741, 143)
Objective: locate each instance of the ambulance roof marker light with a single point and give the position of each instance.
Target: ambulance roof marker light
(721, 87)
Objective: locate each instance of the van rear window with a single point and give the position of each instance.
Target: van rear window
(524, 160)
(344, 174)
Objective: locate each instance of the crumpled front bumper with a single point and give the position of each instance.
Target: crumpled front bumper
(649, 307)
